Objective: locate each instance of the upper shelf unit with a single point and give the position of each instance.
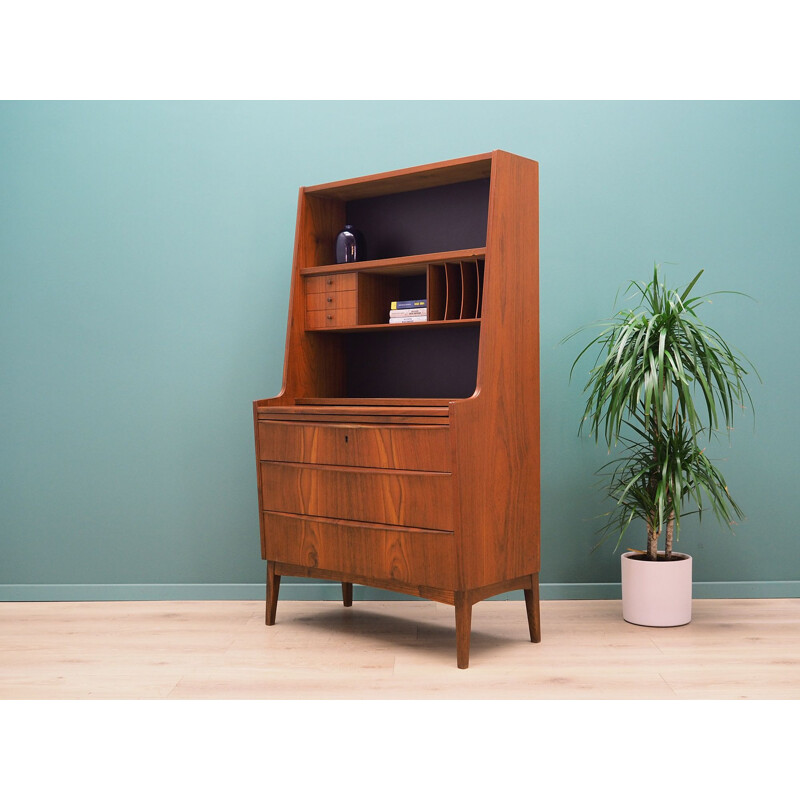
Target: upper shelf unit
(427, 233)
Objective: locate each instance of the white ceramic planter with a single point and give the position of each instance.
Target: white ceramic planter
(657, 593)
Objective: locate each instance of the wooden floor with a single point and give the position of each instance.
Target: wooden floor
(383, 650)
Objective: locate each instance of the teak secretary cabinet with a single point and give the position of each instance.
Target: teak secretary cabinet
(406, 456)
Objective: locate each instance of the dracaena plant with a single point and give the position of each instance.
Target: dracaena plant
(662, 385)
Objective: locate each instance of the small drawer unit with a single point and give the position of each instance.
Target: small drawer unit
(331, 300)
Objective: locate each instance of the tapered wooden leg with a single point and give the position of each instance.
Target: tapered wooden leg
(347, 593)
(532, 607)
(463, 626)
(273, 587)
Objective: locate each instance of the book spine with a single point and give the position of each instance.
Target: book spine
(396, 304)
(400, 320)
(409, 312)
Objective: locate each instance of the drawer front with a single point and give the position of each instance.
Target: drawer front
(424, 558)
(328, 300)
(331, 318)
(402, 447)
(331, 283)
(392, 497)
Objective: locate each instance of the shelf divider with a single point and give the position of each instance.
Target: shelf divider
(437, 292)
(469, 289)
(453, 276)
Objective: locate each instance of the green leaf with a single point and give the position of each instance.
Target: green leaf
(691, 286)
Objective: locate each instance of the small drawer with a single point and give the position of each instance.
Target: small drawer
(328, 300)
(332, 318)
(345, 281)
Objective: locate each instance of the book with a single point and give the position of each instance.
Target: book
(409, 312)
(418, 318)
(397, 304)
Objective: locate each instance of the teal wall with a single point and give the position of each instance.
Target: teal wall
(145, 251)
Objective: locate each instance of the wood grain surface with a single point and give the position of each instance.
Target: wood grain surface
(406, 555)
(396, 497)
(386, 447)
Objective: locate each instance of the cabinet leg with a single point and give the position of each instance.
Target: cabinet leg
(273, 587)
(532, 607)
(463, 627)
(347, 594)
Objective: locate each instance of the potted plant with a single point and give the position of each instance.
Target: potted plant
(662, 385)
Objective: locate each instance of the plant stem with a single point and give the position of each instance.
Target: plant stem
(653, 527)
(670, 529)
(652, 540)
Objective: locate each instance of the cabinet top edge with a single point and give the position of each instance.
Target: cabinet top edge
(441, 173)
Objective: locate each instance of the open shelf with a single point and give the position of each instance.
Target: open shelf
(459, 170)
(396, 266)
(433, 359)
(385, 326)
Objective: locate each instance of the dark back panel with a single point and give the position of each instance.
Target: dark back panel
(412, 363)
(451, 217)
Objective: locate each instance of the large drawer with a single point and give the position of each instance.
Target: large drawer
(401, 447)
(426, 558)
(393, 497)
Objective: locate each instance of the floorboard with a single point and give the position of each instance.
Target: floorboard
(732, 649)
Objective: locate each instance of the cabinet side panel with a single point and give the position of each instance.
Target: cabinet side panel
(258, 480)
(314, 364)
(496, 434)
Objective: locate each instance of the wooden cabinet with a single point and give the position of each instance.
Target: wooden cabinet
(406, 456)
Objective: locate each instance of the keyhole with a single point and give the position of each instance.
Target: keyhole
(346, 439)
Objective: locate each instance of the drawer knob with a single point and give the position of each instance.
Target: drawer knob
(329, 299)
(330, 316)
(330, 281)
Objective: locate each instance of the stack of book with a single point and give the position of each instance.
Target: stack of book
(408, 311)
